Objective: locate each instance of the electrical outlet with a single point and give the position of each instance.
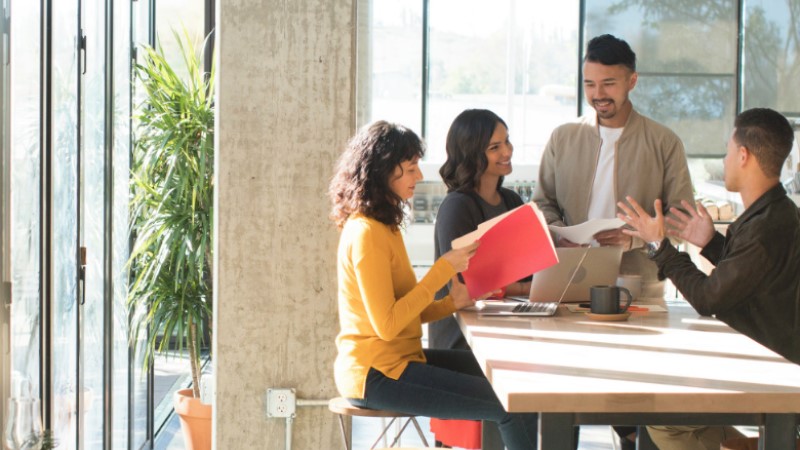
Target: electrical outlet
(281, 402)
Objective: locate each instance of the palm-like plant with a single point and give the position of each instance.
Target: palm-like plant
(172, 205)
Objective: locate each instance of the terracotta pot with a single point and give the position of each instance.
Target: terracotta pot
(195, 420)
(744, 444)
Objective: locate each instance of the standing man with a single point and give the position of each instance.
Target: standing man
(754, 287)
(611, 152)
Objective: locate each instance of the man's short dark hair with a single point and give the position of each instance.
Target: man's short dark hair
(609, 50)
(767, 135)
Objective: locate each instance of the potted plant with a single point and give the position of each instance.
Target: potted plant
(172, 180)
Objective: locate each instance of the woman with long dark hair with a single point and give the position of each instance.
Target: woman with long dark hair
(381, 363)
(479, 154)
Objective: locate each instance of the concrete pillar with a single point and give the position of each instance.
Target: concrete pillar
(285, 111)
(365, 61)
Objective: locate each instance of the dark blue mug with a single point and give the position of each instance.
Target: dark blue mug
(605, 299)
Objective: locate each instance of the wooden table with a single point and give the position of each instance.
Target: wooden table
(655, 368)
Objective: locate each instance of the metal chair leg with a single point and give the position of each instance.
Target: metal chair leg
(399, 433)
(385, 429)
(344, 432)
(419, 431)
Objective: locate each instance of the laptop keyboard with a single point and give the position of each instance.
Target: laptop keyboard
(535, 307)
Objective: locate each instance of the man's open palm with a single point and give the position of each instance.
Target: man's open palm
(695, 227)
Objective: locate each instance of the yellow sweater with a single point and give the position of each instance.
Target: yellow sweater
(381, 305)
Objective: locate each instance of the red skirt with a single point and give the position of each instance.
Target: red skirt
(457, 433)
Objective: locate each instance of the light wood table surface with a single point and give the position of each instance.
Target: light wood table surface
(673, 367)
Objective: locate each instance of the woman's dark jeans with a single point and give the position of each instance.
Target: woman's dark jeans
(450, 385)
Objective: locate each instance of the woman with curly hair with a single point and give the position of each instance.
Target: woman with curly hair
(381, 363)
(478, 158)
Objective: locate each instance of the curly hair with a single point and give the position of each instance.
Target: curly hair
(360, 183)
(467, 140)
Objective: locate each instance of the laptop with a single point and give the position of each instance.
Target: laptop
(525, 307)
(600, 267)
(578, 269)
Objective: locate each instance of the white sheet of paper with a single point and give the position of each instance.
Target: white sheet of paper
(582, 233)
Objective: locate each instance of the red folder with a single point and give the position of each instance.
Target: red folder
(513, 245)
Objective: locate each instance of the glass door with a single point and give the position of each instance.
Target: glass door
(62, 160)
(5, 279)
(61, 334)
(24, 184)
(119, 119)
(141, 396)
(93, 163)
(66, 74)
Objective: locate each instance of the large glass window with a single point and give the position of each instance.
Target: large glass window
(505, 56)
(63, 226)
(93, 224)
(141, 428)
(772, 55)
(25, 212)
(121, 102)
(59, 166)
(177, 16)
(390, 63)
(5, 230)
(524, 65)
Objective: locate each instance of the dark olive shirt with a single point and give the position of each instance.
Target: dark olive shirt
(755, 287)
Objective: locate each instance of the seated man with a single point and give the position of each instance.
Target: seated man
(754, 287)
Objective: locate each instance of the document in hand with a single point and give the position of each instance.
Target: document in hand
(513, 245)
(584, 233)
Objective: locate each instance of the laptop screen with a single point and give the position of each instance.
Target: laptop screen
(600, 267)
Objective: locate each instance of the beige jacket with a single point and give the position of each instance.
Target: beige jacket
(650, 163)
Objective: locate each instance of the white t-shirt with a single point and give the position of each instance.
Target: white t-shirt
(603, 204)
